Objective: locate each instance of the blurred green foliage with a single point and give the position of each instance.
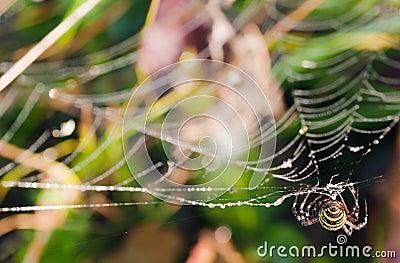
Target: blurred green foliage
(96, 236)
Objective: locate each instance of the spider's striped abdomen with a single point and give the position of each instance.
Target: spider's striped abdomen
(332, 216)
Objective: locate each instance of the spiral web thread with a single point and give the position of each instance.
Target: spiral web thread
(326, 131)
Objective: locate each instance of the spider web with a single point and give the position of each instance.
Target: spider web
(342, 95)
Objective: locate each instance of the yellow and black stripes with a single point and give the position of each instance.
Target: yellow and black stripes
(333, 216)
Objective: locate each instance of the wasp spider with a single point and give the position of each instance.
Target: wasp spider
(332, 214)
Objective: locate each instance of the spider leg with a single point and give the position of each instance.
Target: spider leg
(365, 221)
(294, 209)
(312, 203)
(348, 230)
(319, 205)
(304, 216)
(353, 216)
(304, 200)
(310, 218)
(310, 221)
(298, 213)
(316, 206)
(359, 226)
